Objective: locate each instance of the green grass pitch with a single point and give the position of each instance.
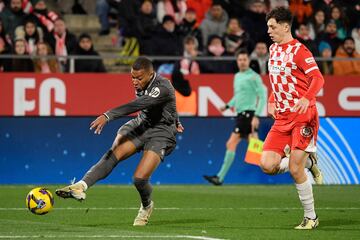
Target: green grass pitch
(184, 212)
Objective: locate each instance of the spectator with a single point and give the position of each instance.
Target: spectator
(303, 35)
(187, 64)
(317, 24)
(44, 18)
(186, 100)
(326, 66)
(201, 7)
(21, 64)
(216, 49)
(145, 27)
(12, 17)
(62, 42)
(5, 38)
(174, 8)
(340, 20)
(355, 34)
(330, 36)
(2, 5)
(347, 67)
(102, 11)
(127, 13)
(255, 24)
(278, 3)
(166, 41)
(188, 27)
(85, 48)
(261, 56)
(31, 33)
(215, 22)
(236, 37)
(301, 10)
(42, 63)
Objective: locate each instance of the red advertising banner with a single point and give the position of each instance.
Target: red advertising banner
(23, 94)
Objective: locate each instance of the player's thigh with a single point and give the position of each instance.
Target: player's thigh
(147, 165)
(123, 147)
(243, 124)
(304, 133)
(277, 140)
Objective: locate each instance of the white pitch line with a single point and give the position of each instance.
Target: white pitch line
(187, 209)
(110, 236)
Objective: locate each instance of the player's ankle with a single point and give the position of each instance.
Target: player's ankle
(83, 184)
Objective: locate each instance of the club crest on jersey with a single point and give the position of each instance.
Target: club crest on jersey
(155, 92)
(306, 131)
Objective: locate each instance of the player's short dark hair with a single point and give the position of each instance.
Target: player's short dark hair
(281, 15)
(241, 51)
(142, 63)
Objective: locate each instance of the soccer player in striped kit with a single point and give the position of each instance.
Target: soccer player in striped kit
(295, 79)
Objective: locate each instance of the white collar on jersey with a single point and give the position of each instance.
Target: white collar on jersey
(151, 82)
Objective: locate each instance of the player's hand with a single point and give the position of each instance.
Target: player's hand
(98, 124)
(255, 124)
(180, 128)
(271, 110)
(302, 105)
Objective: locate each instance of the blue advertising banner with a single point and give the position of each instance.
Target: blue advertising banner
(57, 150)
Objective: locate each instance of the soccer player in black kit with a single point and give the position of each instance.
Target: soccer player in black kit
(153, 131)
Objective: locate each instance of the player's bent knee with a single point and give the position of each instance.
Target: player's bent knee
(268, 166)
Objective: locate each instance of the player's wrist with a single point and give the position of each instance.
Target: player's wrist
(106, 116)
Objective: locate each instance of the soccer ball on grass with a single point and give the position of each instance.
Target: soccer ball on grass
(39, 201)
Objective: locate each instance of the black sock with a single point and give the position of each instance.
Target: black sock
(101, 169)
(145, 189)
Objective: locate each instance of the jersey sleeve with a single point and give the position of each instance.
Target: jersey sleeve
(305, 60)
(156, 96)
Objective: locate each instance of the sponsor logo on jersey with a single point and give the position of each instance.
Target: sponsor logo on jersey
(306, 131)
(155, 92)
(310, 60)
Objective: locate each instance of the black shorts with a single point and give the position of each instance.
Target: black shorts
(243, 123)
(159, 139)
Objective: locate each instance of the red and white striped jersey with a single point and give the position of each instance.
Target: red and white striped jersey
(289, 65)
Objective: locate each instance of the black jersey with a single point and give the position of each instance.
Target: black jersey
(156, 104)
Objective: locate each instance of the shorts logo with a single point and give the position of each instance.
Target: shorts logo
(155, 92)
(306, 131)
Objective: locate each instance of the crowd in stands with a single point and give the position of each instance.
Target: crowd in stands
(213, 28)
(28, 28)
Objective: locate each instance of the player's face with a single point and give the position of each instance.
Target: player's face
(141, 78)
(243, 62)
(277, 31)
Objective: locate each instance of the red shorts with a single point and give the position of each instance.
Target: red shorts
(298, 131)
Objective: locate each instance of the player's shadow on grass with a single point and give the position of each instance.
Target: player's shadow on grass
(181, 221)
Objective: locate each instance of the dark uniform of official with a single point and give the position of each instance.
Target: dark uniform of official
(154, 128)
